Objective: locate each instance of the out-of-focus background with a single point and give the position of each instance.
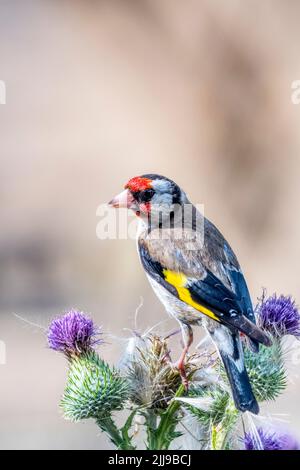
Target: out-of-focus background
(97, 92)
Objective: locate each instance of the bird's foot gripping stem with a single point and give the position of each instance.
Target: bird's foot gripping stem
(180, 365)
(187, 334)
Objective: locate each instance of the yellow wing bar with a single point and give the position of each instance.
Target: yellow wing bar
(180, 282)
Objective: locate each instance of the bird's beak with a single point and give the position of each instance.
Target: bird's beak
(124, 199)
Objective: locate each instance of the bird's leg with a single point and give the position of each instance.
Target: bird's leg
(181, 367)
(187, 336)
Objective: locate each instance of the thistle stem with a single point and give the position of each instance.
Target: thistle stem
(151, 426)
(108, 426)
(221, 432)
(164, 434)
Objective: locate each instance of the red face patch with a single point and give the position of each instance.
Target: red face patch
(145, 207)
(138, 183)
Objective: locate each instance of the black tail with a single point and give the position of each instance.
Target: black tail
(242, 393)
(231, 352)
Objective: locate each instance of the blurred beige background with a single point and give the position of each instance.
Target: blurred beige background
(97, 92)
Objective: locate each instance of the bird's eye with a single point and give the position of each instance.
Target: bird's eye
(146, 196)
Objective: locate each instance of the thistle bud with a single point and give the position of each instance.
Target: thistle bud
(93, 389)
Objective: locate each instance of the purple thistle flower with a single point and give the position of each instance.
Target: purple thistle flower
(279, 316)
(270, 440)
(73, 333)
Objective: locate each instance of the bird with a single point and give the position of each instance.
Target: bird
(196, 275)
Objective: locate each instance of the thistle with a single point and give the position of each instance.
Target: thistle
(214, 409)
(210, 411)
(73, 333)
(266, 371)
(279, 316)
(268, 439)
(152, 377)
(154, 383)
(148, 386)
(93, 389)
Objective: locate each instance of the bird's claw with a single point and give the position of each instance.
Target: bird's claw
(181, 367)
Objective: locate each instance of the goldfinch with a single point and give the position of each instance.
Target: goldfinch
(195, 274)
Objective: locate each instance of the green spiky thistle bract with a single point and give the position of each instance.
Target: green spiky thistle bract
(266, 371)
(93, 389)
(218, 417)
(214, 413)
